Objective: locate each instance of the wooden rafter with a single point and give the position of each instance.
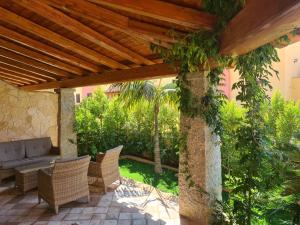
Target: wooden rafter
(48, 76)
(33, 63)
(19, 72)
(27, 60)
(14, 79)
(25, 24)
(83, 30)
(39, 57)
(260, 22)
(164, 11)
(111, 19)
(139, 73)
(3, 72)
(38, 46)
(13, 82)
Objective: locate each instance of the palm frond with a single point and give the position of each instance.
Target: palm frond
(133, 92)
(169, 94)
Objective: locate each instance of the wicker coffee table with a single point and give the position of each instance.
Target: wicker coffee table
(26, 176)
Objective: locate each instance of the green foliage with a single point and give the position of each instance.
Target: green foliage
(195, 51)
(89, 123)
(274, 184)
(113, 124)
(133, 93)
(141, 172)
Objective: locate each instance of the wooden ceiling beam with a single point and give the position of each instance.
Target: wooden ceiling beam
(14, 83)
(19, 72)
(140, 73)
(13, 79)
(25, 24)
(82, 30)
(293, 37)
(45, 49)
(111, 19)
(164, 11)
(137, 35)
(39, 57)
(153, 31)
(33, 63)
(259, 23)
(40, 73)
(3, 72)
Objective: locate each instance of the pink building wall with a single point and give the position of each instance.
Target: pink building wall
(226, 83)
(88, 90)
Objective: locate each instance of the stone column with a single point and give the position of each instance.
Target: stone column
(199, 164)
(66, 114)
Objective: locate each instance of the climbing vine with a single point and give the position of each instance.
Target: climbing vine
(200, 51)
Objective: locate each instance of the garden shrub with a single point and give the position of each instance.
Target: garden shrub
(278, 170)
(102, 124)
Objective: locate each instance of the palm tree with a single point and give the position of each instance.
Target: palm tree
(133, 92)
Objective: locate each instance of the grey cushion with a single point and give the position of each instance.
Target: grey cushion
(12, 151)
(38, 147)
(48, 158)
(15, 163)
(27, 161)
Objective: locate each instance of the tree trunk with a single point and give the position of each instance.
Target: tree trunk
(157, 159)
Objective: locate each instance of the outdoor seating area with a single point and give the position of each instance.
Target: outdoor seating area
(17, 154)
(191, 95)
(60, 193)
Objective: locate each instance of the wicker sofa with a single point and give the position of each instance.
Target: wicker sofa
(105, 170)
(24, 152)
(65, 182)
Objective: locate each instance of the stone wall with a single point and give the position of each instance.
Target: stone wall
(26, 115)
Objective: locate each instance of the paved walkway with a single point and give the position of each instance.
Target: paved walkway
(129, 204)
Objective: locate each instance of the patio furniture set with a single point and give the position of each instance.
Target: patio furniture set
(36, 164)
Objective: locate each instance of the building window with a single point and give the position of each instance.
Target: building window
(89, 94)
(77, 98)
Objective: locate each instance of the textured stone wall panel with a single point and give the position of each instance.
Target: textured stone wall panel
(26, 115)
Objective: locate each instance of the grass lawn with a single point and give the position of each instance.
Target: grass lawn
(142, 172)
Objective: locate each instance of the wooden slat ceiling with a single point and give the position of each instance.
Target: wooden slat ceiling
(46, 41)
(69, 43)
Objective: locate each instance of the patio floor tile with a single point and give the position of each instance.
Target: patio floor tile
(127, 204)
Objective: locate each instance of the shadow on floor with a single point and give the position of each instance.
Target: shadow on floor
(128, 204)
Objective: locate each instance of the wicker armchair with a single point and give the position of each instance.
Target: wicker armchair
(65, 182)
(105, 170)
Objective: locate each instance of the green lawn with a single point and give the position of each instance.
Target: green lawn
(143, 172)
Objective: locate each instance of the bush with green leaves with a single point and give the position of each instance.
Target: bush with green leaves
(102, 124)
(278, 170)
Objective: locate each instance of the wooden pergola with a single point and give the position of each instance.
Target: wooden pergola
(62, 44)
(47, 44)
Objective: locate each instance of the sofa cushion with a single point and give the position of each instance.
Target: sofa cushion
(37, 147)
(12, 151)
(47, 158)
(27, 161)
(15, 163)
